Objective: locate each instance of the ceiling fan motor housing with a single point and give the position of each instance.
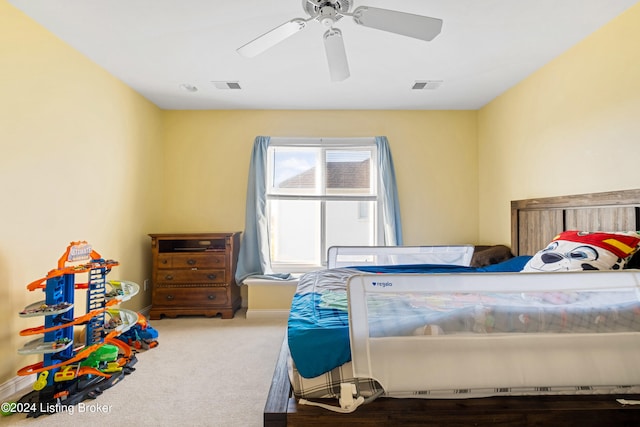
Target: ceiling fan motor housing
(326, 12)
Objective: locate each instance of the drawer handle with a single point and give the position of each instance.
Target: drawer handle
(164, 261)
(211, 297)
(169, 297)
(212, 276)
(168, 277)
(191, 261)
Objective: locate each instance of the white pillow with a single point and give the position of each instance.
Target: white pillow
(581, 250)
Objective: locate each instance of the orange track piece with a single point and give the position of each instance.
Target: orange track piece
(77, 321)
(86, 370)
(83, 354)
(39, 367)
(83, 268)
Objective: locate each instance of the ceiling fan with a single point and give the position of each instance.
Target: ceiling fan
(328, 12)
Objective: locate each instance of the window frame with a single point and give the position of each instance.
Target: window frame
(324, 144)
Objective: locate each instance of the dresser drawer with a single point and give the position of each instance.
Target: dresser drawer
(191, 297)
(195, 260)
(191, 276)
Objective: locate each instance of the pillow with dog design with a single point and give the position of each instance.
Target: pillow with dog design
(582, 250)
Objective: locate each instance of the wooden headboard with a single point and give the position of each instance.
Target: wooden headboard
(535, 222)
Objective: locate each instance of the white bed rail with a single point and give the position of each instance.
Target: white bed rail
(346, 256)
(415, 363)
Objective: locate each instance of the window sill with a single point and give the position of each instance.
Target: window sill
(260, 281)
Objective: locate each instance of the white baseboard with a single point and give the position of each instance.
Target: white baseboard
(256, 313)
(13, 386)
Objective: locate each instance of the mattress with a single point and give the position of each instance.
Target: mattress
(320, 344)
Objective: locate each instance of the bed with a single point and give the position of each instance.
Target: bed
(535, 222)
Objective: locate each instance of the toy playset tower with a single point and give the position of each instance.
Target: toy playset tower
(71, 372)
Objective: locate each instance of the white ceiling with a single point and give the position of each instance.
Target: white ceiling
(154, 46)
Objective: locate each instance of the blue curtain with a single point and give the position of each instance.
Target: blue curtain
(390, 205)
(253, 259)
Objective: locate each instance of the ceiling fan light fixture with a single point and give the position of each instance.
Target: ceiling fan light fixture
(328, 16)
(336, 55)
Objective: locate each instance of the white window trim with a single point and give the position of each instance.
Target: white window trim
(355, 142)
(278, 141)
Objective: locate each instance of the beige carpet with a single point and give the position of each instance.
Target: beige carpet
(205, 372)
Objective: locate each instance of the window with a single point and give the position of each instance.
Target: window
(320, 193)
(306, 195)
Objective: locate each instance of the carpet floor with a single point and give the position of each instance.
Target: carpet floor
(205, 372)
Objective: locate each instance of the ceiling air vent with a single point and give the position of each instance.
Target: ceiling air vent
(426, 84)
(227, 85)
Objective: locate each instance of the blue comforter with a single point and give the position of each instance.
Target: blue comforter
(318, 328)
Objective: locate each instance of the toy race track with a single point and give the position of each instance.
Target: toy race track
(82, 268)
(70, 373)
(122, 291)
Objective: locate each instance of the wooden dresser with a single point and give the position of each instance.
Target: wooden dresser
(193, 274)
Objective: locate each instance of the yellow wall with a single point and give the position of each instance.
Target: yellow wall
(572, 127)
(207, 157)
(80, 155)
(435, 155)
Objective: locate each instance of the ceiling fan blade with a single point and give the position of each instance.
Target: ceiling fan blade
(406, 24)
(271, 38)
(336, 55)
